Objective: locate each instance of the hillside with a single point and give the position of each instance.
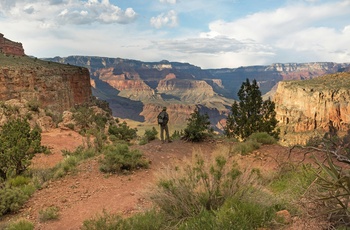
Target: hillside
(87, 193)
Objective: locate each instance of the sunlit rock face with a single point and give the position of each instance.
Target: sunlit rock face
(307, 108)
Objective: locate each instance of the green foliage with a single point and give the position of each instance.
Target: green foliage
(246, 147)
(12, 199)
(177, 135)
(334, 183)
(18, 181)
(33, 105)
(21, 224)
(150, 220)
(188, 190)
(150, 135)
(18, 144)
(263, 138)
(251, 114)
(198, 127)
(50, 213)
(87, 119)
(122, 131)
(118, 158)
(292, 180)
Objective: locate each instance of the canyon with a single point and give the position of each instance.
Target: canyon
(308, 96)
(138, 90)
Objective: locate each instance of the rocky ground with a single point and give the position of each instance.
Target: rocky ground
(87, 193)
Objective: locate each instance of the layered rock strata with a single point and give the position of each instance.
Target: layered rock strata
(310, 107)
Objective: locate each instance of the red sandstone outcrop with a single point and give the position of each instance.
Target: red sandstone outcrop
(55, 86)
(9, 47)
(306, 108)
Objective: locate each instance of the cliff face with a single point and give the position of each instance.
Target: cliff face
(55, 86)
(9, 47)
(306, 108)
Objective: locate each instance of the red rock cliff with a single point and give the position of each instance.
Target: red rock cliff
(305, 108)
(55, 86)
(9, 47)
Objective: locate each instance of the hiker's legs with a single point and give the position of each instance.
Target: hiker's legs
(167, 132)
(161, 133)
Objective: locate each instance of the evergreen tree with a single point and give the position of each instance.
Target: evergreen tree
(198, 127)
(251, 114)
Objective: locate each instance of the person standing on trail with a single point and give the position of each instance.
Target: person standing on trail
(163, 119)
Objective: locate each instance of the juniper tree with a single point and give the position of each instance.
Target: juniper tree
(251, 114)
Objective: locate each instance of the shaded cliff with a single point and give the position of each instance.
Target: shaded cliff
(55, 86)
(306, 108)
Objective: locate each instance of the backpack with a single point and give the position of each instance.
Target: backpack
(162, 118)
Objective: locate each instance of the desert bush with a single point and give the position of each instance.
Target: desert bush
(119, 158)
(177, 135)
(33, 105)
(187, 190)
(50, 213)
(122, 131)
(263, 138)
(246, 147)
(150, 135)
(12, 199)
(149, 220)
(18, 144)
(21, 224)
(198, 127)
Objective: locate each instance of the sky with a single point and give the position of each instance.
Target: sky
(205, 33)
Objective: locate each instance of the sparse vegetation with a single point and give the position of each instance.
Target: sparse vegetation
(21, 224)
(47, 214)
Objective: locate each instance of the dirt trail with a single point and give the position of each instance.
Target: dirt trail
(88, 193)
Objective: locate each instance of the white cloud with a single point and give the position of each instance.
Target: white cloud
(57, 12)
(168, 1)
(169, 19)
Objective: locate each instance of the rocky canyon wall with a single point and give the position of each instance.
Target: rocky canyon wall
(9, 47)
(307, 108)
(55, 86)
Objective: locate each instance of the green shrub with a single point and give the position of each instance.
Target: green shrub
(150, 135)
(11, 200)
(21, 224)
(122, 131)
(149, 220)
(118, 158)
(50, 213)
(198, 127)
(244, 148)
(242, 214)
(177, 135)
(263, 138)
(187, 190)
(18, 181)
(33, 105)
(18, 144)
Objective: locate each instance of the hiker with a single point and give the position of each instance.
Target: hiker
(163, 118)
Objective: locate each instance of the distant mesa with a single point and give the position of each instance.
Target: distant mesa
(10, 47)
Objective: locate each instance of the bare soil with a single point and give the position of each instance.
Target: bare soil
(87, 193)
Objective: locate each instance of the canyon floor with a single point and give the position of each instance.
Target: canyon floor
(88, 192)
